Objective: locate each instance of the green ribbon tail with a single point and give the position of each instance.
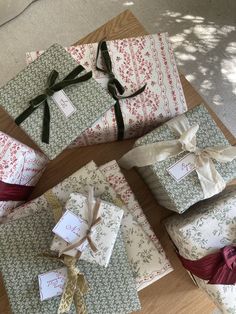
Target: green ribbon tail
(46, 123)
(24, 115)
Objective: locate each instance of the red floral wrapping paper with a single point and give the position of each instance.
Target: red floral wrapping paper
(19, 164)
(135, 61)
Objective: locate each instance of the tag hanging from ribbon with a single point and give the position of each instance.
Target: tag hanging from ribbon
(93, 221)
(115, 88)
(218, 268)
(51, 88)
(210, 179)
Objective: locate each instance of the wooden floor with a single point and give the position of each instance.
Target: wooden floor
(175, 293)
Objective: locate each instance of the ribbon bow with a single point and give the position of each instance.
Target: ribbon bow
(210, 179)
(51, 88)
(115, 88)
(218, 268)
(94, 220)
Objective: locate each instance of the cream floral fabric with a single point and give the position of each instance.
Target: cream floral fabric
(148, 262)
(206, 228)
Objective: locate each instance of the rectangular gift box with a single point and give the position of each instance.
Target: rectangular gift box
(180, 195)
(111, 289)
(147, 258)
(72, 109)
(204, 229)
(135, 61)
(103, 236)
(20, 169)
(149, 261)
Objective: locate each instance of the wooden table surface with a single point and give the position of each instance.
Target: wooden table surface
(175, 293)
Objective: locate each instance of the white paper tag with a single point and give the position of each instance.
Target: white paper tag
(182, 167)
(71, 228)
(52, 283)
(64, 103)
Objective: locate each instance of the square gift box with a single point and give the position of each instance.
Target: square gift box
(66, 110)
(171, 171)
(103, 236)
(135, 61)
(20, 170)
(204, 229)
(111, 290)
(145, 253)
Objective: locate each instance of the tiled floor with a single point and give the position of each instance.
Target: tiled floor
(203, 33)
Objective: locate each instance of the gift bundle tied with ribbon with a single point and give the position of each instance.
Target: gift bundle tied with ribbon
(76, 235)
(52, 87)
(115, 88)
(54, 100)
(201, 159)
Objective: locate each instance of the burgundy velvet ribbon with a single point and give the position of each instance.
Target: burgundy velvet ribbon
(218, 268)
(14, 192)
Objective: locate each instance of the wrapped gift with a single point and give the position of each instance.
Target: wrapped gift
(20, 169)
(148, 262)
(149, 259)
(97, 245)
(186, 160)
(135, 61)
(97, 289)
(203, 230)
(54, 100)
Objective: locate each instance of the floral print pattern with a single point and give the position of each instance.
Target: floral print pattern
(89, 98)
(137, 242)
(179, 196)
(205, 228)
(135, 61)
(104, 235)
(19, 164)
(111, 290)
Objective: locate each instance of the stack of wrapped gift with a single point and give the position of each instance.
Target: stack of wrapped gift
(205, 239)
(110, 277)
(126, 65)
(20, 170)
(185, 160)
(54, 100)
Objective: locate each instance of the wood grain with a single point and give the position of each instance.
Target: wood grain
(175, 293)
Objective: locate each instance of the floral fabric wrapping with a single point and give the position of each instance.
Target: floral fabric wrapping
(207, 227)
(76, 108)
(146, 257)
(111, 289)
(179, 196)
(103, 237)
(19, 164)
(135, 61)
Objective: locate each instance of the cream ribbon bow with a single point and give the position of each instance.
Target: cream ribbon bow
(210, 179)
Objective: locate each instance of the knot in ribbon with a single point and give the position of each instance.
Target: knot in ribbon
(115, 88)
(218, 268)
(93, 221)
(51, 88)
(210, 179)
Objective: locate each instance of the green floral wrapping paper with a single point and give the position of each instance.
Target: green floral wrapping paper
(207, 227)
(89, 99)
(179, 196)
(111, 290)
(146, 256)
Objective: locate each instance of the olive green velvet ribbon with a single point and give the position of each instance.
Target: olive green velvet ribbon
(51, 88)
(115, 88)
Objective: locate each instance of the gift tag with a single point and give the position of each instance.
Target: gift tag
(64, 103)
(182, 167)
(52, 283)
(72, 228)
